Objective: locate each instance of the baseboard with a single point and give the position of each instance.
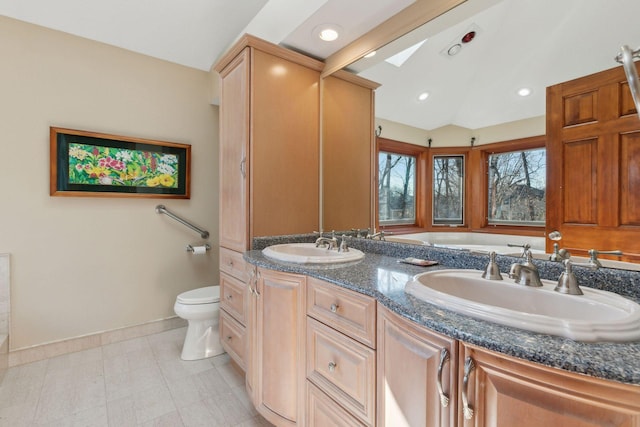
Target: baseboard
(85, 342)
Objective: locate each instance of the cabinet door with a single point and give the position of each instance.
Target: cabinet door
(234, 154)
(279, 346)
(416, 385)
(505, 391)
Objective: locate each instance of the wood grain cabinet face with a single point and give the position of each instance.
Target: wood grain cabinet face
(322, 411)
(349, 312)
(232, 336)
(343, 368)
(505, 391)
(233, 297)
(409, 358)
(278, 351)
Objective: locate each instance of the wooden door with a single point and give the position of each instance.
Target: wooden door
(280, 347)
(505, 391)
(234, 153)
(593, 158)
(409, 358)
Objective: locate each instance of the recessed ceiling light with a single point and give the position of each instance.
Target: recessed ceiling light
(370, 54)
(525, 91)
(327, 32)
(423, 96)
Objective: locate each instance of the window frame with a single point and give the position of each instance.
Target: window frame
(406, 149)
(481, 179)
(476, 184)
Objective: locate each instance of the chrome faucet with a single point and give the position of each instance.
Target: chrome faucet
(593, 256)
(492, 272)
(526, 273)
(330, 242)
(568, 283)
(525, 248)
(378, 235)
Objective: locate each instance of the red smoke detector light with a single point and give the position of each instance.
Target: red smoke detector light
(468, 37)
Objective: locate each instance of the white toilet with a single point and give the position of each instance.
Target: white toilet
(200, 307)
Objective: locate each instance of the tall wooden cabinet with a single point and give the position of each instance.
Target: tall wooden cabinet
(269, 143)
(269, 165)
(348, 152)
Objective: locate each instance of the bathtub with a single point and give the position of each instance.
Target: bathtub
(474, 242)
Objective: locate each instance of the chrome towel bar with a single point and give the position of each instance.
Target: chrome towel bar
(161, 209)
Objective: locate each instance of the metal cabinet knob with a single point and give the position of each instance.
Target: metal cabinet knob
(332, 366)
(334, 307)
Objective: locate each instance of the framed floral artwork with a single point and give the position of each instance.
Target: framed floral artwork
(100, 165)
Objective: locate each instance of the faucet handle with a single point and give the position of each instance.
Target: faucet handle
(593, 256)
(567, 282)
(343, 244)
(492, 272)
(525, 247)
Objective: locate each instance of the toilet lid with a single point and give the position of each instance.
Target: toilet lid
(206, 295)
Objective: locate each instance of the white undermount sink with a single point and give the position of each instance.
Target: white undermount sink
(595, 316)
(308, 253)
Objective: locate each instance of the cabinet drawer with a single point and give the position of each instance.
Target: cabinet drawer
(347, 311)
(324, 412)
(233, 298)
(232, 337)
(343, 368)
(232, 263)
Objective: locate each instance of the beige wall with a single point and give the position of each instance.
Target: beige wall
(84, 265)
(456, 136)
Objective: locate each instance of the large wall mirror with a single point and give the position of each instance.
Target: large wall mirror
(473, 60)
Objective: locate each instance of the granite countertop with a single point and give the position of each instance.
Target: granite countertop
(379, 275)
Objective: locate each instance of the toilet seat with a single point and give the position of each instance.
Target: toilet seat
(206, 295)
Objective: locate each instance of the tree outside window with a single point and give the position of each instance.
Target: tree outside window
(396, 188)
(517, 187)
(448, 189)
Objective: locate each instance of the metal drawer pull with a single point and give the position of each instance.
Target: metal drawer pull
(243, 164)
(444, 358)
(229, 297)
(332, 366)
(229, 338)
(469, 366)
(334, 307)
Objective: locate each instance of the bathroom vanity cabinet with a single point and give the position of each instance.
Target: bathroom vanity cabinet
(341, 357)
(327, 355)
(275, 374)
(495, 389)
(417, 369)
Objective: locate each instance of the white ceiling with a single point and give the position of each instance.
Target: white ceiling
(520, 42)
(532, 43)
(197, 32)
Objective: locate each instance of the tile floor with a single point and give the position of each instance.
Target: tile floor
(139, 382)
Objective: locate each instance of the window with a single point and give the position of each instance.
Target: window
(517, 187)
(448, 190)
(396, 188)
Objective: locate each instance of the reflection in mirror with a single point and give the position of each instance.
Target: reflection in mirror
(448, 190)
(396, 188)
(517, 187)
(517, 44)
(486, 65)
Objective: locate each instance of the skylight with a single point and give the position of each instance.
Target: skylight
(400, 58)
